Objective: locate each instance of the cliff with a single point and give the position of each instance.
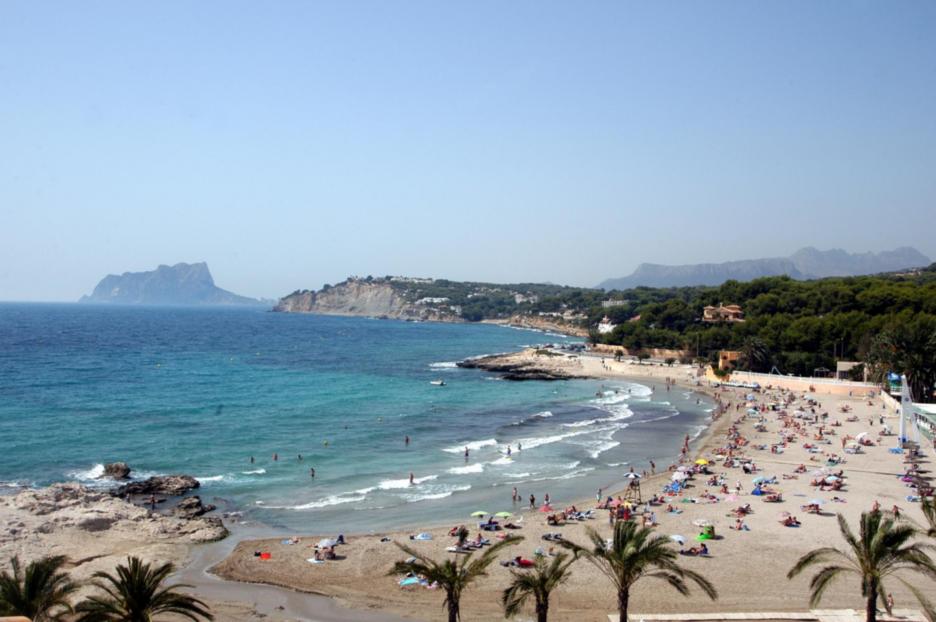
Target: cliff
(181, 284)
(804, 264)
(360, 297)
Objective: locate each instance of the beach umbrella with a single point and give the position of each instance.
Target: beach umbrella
(759, 480)
(325, 543)
(832, 479)
(681, 540)
(503, 515)
(701, 522)
(860, 437)
(820, 473)
(816, 502)
(679, 476)
(632, 475)
(701, 461)
(684, 469)
(479, 514)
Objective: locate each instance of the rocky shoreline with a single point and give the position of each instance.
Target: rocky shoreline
(530, 364)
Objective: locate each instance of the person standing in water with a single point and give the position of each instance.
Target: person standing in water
(519, 447)
(251, 459)
(532, 502)
(516, 495)
(412, 480)
(312, 472)
(406, 440)
(300, 457)
(275, 456)
(508, 451)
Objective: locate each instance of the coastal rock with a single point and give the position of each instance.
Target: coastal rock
(172, 485)
(526, 365)
(191, 507)
(116, 470)
(68, 510)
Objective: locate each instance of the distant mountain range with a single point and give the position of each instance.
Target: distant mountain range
(806, 263)
(181, 284)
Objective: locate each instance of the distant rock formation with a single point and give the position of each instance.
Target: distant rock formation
(806, 263)
(181, 284)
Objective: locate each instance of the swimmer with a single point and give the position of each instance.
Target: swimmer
(412, 480)
(275, 457)
(519, 447)
(406, 440)
(312, 472)
(251, 459)
(466, 454)
(300, 457)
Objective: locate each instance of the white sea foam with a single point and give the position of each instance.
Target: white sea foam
(542, 415)
(93, 473)
(472, 445)
(444, 365)
(517, 475)
(581, 424)
(465, 470)
(210, 478)
(437, 494)
(254, 472)
(391, 484)
(502, 461)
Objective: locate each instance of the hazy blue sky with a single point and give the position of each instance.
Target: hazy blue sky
(294, 143)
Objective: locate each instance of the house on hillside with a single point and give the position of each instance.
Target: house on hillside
(606, 326)
(722, 313)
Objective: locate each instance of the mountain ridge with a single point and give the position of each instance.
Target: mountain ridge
(805, 264)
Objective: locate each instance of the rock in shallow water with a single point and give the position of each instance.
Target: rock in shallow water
(116, 470)
(172, 485)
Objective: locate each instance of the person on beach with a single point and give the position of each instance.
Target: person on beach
(598, 495)
(546, 499)
(153, 503)
(532, 502)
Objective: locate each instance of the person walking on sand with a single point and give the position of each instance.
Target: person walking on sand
(598, 495)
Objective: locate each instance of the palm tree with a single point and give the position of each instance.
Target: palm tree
(635, 552)
(40, 592)
(881, 549)
(137, 594)
(452, 576)
(755, 355)
(538, 583)
(929, 513)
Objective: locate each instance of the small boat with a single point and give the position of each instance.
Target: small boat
(438, 383)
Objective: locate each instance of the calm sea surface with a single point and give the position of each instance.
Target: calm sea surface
(200, 391)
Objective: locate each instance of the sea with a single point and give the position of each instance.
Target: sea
(218, 392)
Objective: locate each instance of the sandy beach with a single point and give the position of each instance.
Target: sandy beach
(748, 567)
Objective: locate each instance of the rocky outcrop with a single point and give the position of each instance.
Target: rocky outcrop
(547, 324)
(172, 485)
(73, 508)
(191, 507)
(116, 470)
(526, 365)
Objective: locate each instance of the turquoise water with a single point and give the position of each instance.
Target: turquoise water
(200, 391)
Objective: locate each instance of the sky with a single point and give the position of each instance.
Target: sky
(290, 144)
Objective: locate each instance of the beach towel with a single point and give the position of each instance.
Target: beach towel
(312, 560)
(422, 536)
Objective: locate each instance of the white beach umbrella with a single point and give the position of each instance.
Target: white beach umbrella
(325, 543)
(701, 522)
(860, 437)
(679, 476)
(681, 540)
(631, 475)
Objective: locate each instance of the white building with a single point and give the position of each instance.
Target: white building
(606, 326)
